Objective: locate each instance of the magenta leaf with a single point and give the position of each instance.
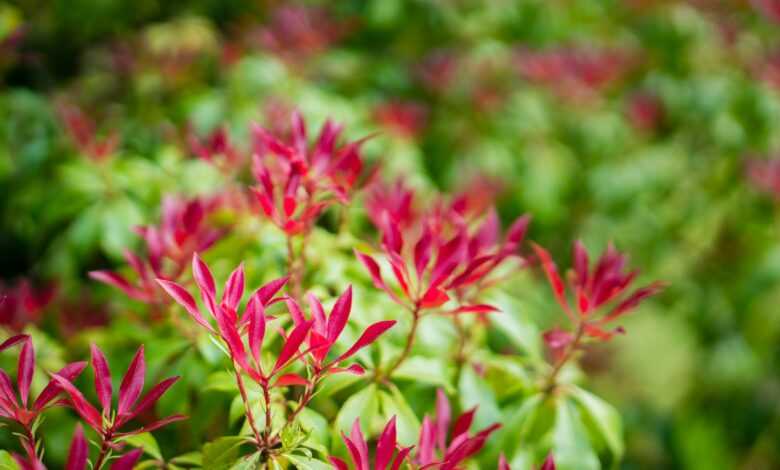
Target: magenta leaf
(256, 329)
(292, 344)
(186, 300)
(340, 314)
(118, 281)
(69, 372)
(369, 336)
(152, 396)
(79, 451)
(203, 277)
(102, 378)
(132, 383)
(26, 370)
(234, 288)
(267, 292)
(13, 340)
(385, 446)
(127, 461)
(82, 406)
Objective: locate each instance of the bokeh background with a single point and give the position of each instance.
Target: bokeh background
(649, 123)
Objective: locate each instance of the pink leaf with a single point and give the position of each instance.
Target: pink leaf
(26, 370)
(257, 325)
(127, 461)
(295, 311)
(338, 463)
(234, 288)
(442, 418)
(118, 281)
(266, 292)
(552, 276)
(422, 251)
(548, 464)
(79, 451)
(132, 383)
(480, 308)
(82, 406)
(369, 336)
(69, 372)
(340, 314)
(385, 446)
(203, 277)
(317, 314)
(184, 299)
(292, 344)
(13, 340)
(502, 463)
(287, 380)
(151, 397)
(434, 298)
(102, 378)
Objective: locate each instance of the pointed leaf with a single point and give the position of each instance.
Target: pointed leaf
(132, 383)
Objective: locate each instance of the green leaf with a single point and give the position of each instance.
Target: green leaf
(512, 437)
(427, 370)
(7, 462)
(475, 392)
(221, 381)
(407, 423)
(222, 453)
(304, 463)
(248, 462)
(363, 405)
(605, 417)
(190, 458)
(147, 442)
(571, 447)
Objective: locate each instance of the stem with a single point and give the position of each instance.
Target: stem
(305, 398)
(409, 342)
(104, 450)
(267, 399)
(460, 353)
(571, 348)
(247, 406)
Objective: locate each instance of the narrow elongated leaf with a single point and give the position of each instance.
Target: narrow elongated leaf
(234, 288)
(26, 370)
(132, 382)
(82, 406)
(340, 314)
(127, 461)
(186, 300)
(203, 277)
(79, 451)
(369, 336)
(152, 396)
(69, 372)
(292, 344)
(385, 446)
(102, 378)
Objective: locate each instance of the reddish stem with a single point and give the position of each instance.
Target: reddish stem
(247, 406)
(571, 348)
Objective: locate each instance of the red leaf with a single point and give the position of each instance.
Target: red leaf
(287, 380)
(102, 378)
(184, 299)
(26, 369)
(266, 292)
(385, 446)
(118, 281)
(502, 463)
(463, 423)
(422, 251)
(132, 383)
(552, 276)
(369, 336)
(79, 451)
(356, 369)
(127, 461)
(292, 344)
(317, 314)
(229, 333)
(155, 425)
(548, 464)
(203, 278)
(399, 459)
(13, 340)
(373, 269)
(434, 298)
(151, 397)
(295, 311)
(581, 264)
(256, 329)
(443, 417)
(340, 314)
(82, 406)
(69, 372)
(479, 308)
(234, 288)
(338, 463)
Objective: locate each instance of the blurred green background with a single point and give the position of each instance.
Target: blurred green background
(649, 123)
